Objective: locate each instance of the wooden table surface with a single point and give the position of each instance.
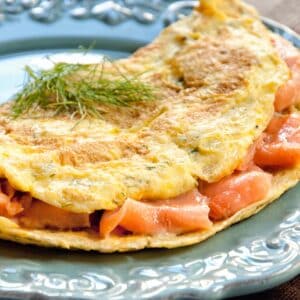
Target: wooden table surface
(286, 12)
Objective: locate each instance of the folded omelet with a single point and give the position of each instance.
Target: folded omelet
(209, 151)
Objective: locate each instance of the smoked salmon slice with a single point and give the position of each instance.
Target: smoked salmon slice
(9, 206)
(37, 214)
(42, 215)
(185, 213)
(236, 192)
(280, 146)
(289, 93)
(248, 162)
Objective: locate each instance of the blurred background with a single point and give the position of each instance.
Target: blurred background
(284, 11)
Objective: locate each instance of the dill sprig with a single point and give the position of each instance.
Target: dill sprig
(78, 90)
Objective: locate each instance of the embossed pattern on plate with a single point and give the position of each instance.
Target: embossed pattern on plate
(253, 264)
(111, 12)
(256, 254)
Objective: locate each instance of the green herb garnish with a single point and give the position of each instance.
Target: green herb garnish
(79, 90)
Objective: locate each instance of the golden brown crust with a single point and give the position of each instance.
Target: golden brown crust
(214, 64)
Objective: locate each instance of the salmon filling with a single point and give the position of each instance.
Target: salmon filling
(278, 147)
(288, 94)
(236, 192)
(185, 213)
(32, 213)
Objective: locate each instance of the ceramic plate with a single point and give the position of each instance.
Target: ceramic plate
(257, 254)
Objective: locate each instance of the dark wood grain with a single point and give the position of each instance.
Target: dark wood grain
(288, 291)
(285, 11)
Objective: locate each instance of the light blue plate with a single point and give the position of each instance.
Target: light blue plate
(254, 255)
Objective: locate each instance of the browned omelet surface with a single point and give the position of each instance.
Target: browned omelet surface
(216, 74)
